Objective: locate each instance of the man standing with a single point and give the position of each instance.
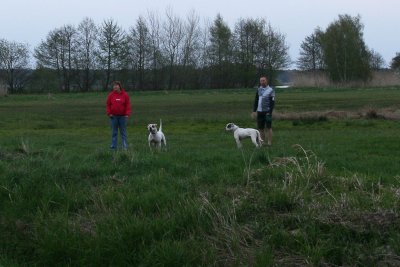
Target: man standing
(264, 103)
(118, 109)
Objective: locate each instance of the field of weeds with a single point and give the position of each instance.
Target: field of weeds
(326, 193)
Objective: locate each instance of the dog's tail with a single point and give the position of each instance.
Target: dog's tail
(259, 140)
(160, 126)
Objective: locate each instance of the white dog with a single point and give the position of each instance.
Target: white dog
(241, 133)
(156, 137)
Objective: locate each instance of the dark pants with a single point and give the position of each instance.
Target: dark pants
(264, 119)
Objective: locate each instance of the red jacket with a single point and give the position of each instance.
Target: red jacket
(118, 104)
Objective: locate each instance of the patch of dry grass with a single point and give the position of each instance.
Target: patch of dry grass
(234, 243)
(368, 113)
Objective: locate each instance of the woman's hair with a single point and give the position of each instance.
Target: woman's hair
(117, 83)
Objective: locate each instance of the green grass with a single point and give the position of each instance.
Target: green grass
(326, 192)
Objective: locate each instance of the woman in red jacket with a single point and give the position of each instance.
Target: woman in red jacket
(118, 109)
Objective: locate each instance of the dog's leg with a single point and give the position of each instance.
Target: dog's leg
(260, 141)
(254, 140)
(158, 146)
(238, 143)
(237, 139)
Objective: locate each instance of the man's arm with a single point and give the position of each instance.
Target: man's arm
(255, 106)
(272, 103)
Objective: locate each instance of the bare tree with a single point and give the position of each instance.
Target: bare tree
(173, 53)
(48, 52)
(156, 55)
(191, 39)
(69, 46)
(86, 51)
(112, 49)
(191, 46)
(140, 49)
(204, 61)
(57, 53)
(172, 36)
(14, 59)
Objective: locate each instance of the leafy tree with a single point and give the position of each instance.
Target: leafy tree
(345, 53)
(14, 59)
(274, 52)
(395, 64)
(221, 41)
(247, 35)
(311, 53)
(376, 60)
(220, 52)
(259, 49)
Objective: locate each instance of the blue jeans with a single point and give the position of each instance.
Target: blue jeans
(118, 122)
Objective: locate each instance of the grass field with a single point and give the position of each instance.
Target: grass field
(326, 193)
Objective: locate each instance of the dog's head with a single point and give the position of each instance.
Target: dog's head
(231, 127)
(152, 128)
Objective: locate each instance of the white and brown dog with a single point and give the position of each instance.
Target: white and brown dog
(156, 137)
(241, 133)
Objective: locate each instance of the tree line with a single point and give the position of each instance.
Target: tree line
(181, 53)
(340, 50)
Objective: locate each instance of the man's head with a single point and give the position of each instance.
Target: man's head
(263, 81)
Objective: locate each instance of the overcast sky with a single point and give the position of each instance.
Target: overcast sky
(30, 21)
